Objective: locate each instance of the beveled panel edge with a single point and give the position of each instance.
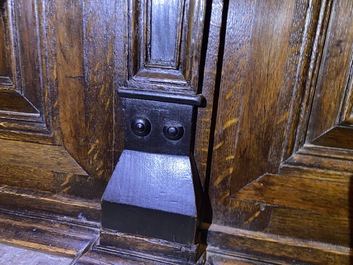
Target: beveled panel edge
(183, 76)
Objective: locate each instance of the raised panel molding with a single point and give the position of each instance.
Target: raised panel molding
(329, 123)
(321, 137)
(156, 60)
(324, 112)
(6, 71)
(163, 46)
(281, 162)
(322, 51)
(23, 106)
(229, 243)
(257, 86)
(59, 115)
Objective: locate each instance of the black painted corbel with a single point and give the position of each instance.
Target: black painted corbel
(155, 190)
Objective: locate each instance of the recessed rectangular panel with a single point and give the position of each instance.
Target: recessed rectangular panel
(3, 63)
(165, 39)
(5, 55)
(22, 53)
(164, 32)
(27, 20)
(332, 101)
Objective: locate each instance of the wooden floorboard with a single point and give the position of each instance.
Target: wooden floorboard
(55, 237)
(10, 255)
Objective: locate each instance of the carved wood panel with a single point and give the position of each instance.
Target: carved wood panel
(59, 112)
(261, 56)
(22, 103)
(6, 71)
(169, 60)
(329, 123)
(282, 148)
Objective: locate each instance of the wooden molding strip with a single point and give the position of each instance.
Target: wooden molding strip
(274, 249)
(322, 197)
(29, 200)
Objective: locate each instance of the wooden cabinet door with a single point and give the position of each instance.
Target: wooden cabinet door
(56, 97)
(280, 157)
(273, 146)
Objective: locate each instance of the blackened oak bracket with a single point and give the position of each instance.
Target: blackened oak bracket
(155, 190)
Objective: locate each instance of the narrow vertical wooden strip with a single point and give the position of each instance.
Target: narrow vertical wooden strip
(318, 12)
(238, 36)
(5, 45)
(99, 20)
(309, 92)
(304, 14)
(204, 120)
(69, 76)
(27, 22)
(269, 51)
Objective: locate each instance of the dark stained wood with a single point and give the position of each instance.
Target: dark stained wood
(25, 71)
(47, 203)
(57, 237)
(335, 71)
(5, 53)
(101, 257)
(306, 80)
(226, 129)
(165, 50)
(28, 18)
(315, 164)
(278, 75)
(273, 145)
(44, 167)
(340, 137)
(99, 32)
(218, 259)
(204, 120)
(299, 193)
(14, 102)
(69, 75)
(253, 105)
(315, 173)
(274, 249)
(65, 98)
(310, 226)
(149, 248)
(260, 97)
(85, 85)
(176, 70)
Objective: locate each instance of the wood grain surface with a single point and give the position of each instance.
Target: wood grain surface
(273, 145)
(281, 155)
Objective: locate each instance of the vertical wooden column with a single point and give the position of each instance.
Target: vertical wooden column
(155, 192)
